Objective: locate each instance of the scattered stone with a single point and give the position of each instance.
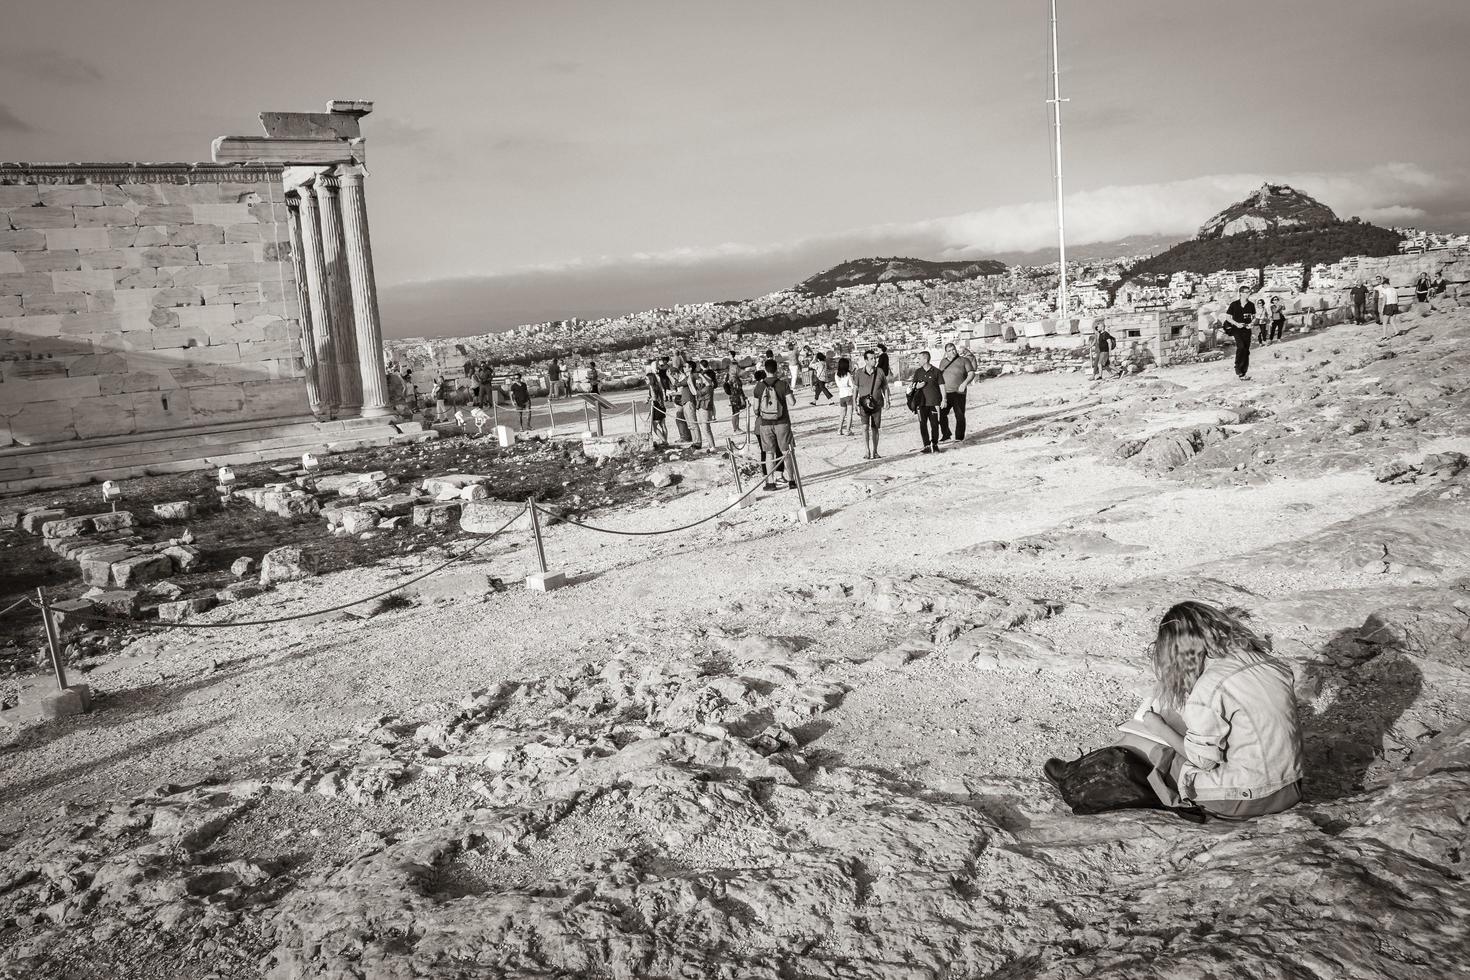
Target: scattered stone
(173, 612)
(660, 477)
(118, 602)
(243, 566)
(487, 516)
(1394, 471)
(437, 515)
(237, 591)
(355, 520)
(32, 521)
(116, 520)
(286, 564)
(67, 527)
(175, 510)
(183, 556)
(168, 591)
(140, 569)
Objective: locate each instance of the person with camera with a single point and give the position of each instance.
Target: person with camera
(870, 389)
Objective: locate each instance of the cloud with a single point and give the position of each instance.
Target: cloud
(11, 123)
(387, 129)
(50, 65)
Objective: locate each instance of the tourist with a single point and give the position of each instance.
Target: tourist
(1422, 286)
(1263, 322)
(1238, 317)
(1359, 294)
(820, 378)
(773, 400)
(684, 416)
(1388, 304)
(1278, 319)
(520, 395)
(1219, 735)
(779, 462)
(870, 389)
(657, 427)
(957, 370)
(594, 383)
(793, 364)
(702, 381)
(883, 363)
(1102, 349)
(553, 378)
(844, 397)
(926, 396)
(1440, 285)
(735, 390)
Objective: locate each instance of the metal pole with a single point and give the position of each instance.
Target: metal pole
(536, 533)
(734, 465)
(586, 423)
(599, 415)
(635, 418)
(796, 472)
(552, 410)
(1056, 101)
(52, 641)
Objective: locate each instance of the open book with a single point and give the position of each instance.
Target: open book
(1148, 721)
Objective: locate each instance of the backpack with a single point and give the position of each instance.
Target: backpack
(1111, 778)
(771, 408)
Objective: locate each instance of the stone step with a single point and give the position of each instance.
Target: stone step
(39, 468)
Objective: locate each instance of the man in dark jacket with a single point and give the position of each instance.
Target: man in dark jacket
(1238, 318)
(927, 387)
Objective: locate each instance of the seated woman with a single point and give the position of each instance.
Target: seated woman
(1221, 730)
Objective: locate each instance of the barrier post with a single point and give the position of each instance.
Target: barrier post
(542, 581)
(635, 418)
(599, 412)
(740, 501)
(66, 700)
(551, 410)
(586, 422)
(804, 514)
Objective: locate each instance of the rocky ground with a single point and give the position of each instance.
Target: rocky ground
(761, 748)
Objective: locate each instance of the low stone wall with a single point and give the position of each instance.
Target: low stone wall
(138, 298)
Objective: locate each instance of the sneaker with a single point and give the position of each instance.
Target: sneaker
(943, 439)
(927, 449)
(769, 487)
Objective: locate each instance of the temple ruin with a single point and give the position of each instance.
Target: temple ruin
(164, 317)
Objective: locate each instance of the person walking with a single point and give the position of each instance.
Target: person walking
(793, 364)
(553, 378)
(843, 382)
(521, 396)
(657, 412)
(1263, 322)
(1102, 350)
(773, 401)
(926, 394)
(870, 388)
(735, 390)
(594, 381)
(820, 377)
(1359, 294)
(958, 370)
(1238, 317)
(1278, 319)
(1388, 304)
(883, 364)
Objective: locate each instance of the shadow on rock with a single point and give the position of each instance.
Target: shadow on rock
(1355, 728)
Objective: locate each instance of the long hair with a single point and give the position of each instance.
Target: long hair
(843, 366)
(1191, 633)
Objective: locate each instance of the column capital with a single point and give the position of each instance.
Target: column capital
(306, 200)
(325, 186)
(350, 178)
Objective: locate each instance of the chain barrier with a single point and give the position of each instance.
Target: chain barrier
(683, 527)
(27, 601)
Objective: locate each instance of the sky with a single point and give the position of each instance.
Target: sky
(539, 159)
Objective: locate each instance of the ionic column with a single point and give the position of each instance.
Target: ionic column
(339, 292)
(308, 346)
(317, 307)
(364, 297)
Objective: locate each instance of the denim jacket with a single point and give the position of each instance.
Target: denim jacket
(1242, 740)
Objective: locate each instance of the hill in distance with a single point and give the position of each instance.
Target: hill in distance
(871, 272)
(1275, 225)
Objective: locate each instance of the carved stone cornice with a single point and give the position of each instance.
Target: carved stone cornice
(137, 173)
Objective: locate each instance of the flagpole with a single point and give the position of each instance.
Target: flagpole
(1056, 101)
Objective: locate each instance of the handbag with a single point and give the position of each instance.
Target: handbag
(867, 404)
(915, 399)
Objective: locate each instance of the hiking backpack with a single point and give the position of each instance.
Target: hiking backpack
(771, 408)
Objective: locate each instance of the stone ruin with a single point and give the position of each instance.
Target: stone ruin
(163, 317)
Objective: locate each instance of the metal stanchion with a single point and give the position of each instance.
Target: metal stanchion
(544, 580)
(739, 501)
(804, 514)
(551, 410)
(586, 421)
(67, 699)
(635, 418)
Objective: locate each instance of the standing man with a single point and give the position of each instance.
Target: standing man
(1102, 350)
(521, 395)
(1238, 318)
(870, 389)
(773, 401)
(553, 377)
(735, 389)
(1359, 294)
(793, 365)
(883, 362)
(928, 384)
(1388, 304)
(958, 370)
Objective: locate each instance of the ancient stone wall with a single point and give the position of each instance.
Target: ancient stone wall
(136, 298)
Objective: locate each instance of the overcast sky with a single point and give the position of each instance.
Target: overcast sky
(651, 152)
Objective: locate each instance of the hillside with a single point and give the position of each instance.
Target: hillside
(869, 272)
(1253, 250)
(1273, 206)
